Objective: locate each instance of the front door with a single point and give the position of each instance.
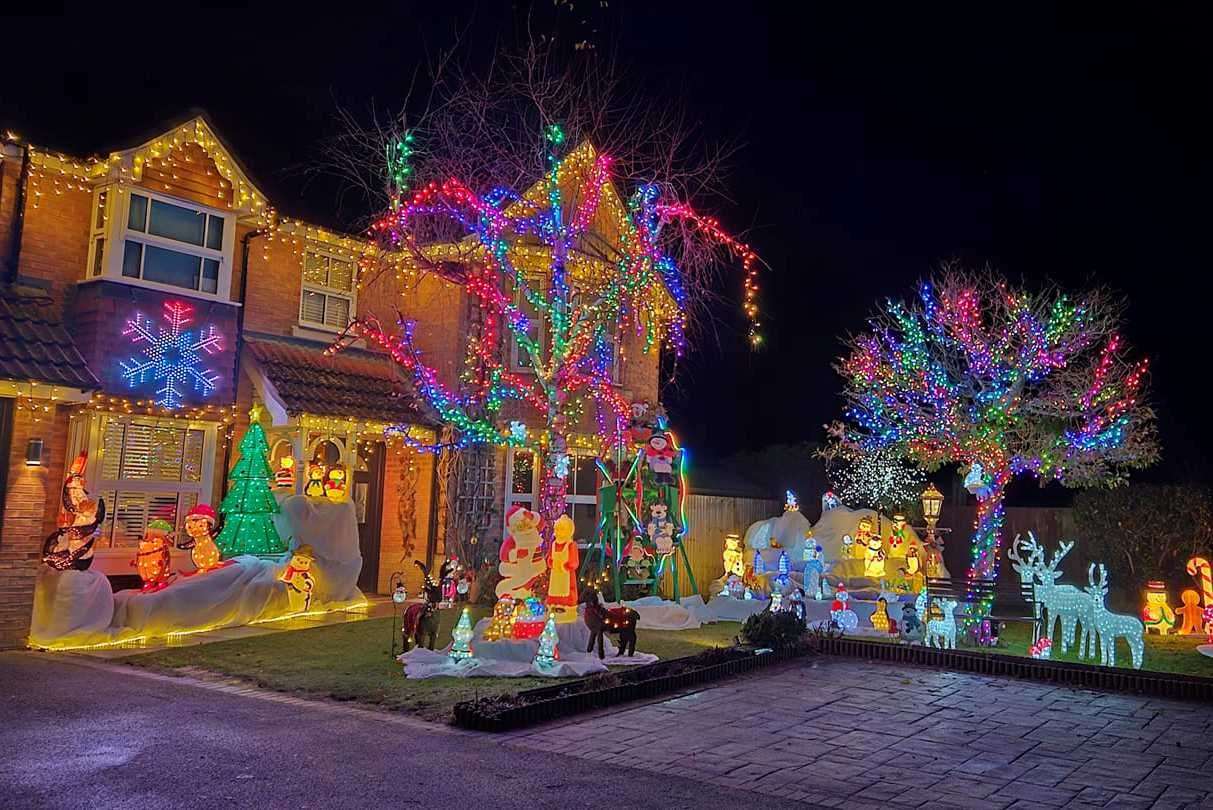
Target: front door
(368, 505)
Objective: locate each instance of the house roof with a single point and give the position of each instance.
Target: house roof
(35, 347)
(352, 384)
(128, 164)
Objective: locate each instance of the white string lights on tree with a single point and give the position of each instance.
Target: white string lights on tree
(879, 479)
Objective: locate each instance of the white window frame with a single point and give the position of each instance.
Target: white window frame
(531, 499)
(115, 559)
(116, 233)
(103, 203)
(515, 349)
(305, 287)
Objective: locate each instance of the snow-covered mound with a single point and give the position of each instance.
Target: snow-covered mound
(513, 658)
(70, 604)
(82, 610)
(787, 531)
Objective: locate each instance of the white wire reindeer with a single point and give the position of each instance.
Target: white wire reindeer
(1027, 574)
(1112, 626)
(942, 632)
(1059, 602)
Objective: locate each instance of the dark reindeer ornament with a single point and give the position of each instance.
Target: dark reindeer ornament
(421, 621)
(602, 620)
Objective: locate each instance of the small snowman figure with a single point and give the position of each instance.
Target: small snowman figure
(841, 615)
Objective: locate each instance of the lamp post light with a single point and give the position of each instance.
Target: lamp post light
(399, 597)
(932, 503)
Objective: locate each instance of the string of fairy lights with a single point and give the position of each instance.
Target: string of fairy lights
(527, 246)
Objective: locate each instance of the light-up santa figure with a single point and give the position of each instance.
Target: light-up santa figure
(521, 558)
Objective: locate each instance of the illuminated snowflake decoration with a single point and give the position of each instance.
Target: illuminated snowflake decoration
(172, 354)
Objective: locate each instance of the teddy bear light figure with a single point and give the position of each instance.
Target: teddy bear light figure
(661, 529)
(733, 562)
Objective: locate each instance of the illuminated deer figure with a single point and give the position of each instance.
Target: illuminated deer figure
(942, 632)
(1112, 626)
(1027, 570)
(1064, 602)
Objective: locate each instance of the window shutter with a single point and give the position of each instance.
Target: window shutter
(337, 312)
(312, 309)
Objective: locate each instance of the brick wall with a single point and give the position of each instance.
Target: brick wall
(275, 268)
(54, 238)
(31, 506)
(98, 313)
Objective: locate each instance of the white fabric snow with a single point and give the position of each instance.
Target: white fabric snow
(728, 609)
(788, 530)
(69, 610)
(661, 614)
(70, 603)
(331, 529)
(513, 659)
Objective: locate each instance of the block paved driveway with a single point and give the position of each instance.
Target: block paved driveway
(840, 732)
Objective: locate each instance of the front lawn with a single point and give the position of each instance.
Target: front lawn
(352, 661)
(1163, 653)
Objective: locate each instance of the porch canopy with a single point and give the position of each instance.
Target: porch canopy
(38, 358)
(295, 380)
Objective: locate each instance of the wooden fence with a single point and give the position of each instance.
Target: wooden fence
(1050, 525)
(710, 518)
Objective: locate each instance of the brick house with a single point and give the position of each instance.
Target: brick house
(153, 295)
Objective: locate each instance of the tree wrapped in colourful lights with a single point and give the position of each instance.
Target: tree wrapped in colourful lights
(1004, 382)
(567, 269)
(554, 191)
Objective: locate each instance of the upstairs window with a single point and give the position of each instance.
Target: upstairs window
(173, 244)
(328, 296)
(520, 357)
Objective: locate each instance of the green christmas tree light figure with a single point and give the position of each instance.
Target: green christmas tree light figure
(546, 655)
(462, 634)
(249, 506)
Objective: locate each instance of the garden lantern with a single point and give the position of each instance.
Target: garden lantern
(932, 503)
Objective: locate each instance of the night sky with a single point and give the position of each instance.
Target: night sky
(875, 147)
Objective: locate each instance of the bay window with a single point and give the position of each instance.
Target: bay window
(148, 469)
(172, 244)
(145, 238)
